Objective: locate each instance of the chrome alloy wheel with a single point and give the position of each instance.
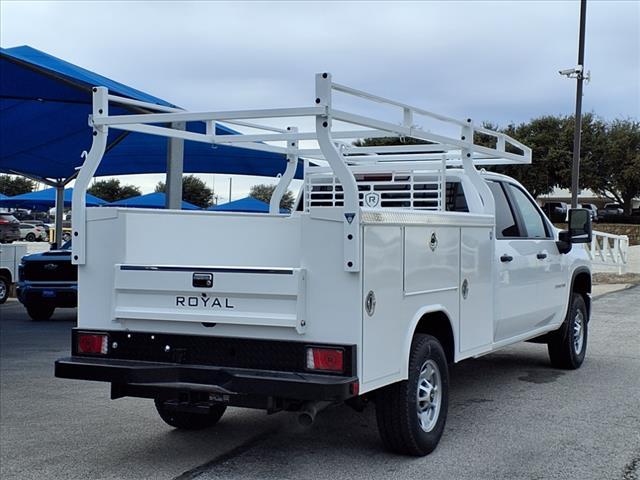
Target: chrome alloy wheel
(3, 289)
(429, 395)
(578, 332)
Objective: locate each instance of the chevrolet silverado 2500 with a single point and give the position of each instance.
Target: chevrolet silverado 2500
(399, 261)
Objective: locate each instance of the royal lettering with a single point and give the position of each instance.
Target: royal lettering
(204, 302)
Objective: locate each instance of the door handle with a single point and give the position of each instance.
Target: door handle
(541, 256)
(506, 258)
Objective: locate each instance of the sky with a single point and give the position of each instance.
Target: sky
(491, 61)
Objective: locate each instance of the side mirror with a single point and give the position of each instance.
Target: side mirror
(580, 225)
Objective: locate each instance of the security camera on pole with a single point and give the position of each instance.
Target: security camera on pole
(577, 73)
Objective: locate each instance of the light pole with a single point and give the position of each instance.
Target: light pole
(578, 74)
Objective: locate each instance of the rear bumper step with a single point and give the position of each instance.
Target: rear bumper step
(232, 381)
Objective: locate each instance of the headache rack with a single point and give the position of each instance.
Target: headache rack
(344, 174)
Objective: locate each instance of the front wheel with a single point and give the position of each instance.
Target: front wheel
(568, 345)
(189, 420)
(40, 312)
(411, 414)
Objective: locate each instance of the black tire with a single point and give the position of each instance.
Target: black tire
(189, 420)
(4, 289)
(30, 237)
(397, 405)
(40, 312)
(568, 345)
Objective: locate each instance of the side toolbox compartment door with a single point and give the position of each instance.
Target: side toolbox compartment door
(383, 334)
(476, 290)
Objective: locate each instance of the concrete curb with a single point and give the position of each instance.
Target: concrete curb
(610, 288)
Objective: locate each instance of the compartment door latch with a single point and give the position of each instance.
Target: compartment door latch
(203, 280)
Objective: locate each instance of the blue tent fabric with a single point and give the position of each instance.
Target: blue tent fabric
(150, 200)
(44, 106)
(247, 204)
(45, 199)
(3, 196)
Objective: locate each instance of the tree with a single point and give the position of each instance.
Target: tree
(263, 192)
(383, 141)
(613, 170)
(194, 191)
(551, 156)
(111, 190)
(609, 155)
(10, 185)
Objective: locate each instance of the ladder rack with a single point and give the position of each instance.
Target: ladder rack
(326, 143)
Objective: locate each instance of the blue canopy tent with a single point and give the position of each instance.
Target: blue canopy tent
(44, 106)
(150, 200)
(45, 199)
(3, 196)
(247, 204)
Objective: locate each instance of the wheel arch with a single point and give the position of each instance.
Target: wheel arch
(433, 320)
(581, 283)
(6, 273)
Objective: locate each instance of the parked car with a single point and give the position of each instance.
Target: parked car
(39, 223)
(32, 233)
(47, 281)
(611, 209)
(9, 228)
(556, 211)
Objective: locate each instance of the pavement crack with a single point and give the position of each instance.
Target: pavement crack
(222, 458)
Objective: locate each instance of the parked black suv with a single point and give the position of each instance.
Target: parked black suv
(9, 228)
(48, 281)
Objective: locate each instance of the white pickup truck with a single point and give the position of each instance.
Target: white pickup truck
(398, 261)
(10, 256)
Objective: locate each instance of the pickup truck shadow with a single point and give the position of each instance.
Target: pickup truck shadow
(277, 447)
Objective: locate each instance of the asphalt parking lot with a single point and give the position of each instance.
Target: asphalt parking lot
(511, 417)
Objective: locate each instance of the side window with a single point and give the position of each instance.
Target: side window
(533, 223)
(455, 199)
(505, 222)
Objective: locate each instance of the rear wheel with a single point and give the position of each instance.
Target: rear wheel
(40, 312)
(411, 414)
(30, 237)
(189, 420)
(4, 289)
(568, 345)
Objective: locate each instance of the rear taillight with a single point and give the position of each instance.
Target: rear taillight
(325, 359)
(97, 344)
(3, 221)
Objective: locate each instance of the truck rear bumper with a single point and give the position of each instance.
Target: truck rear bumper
(141, 378)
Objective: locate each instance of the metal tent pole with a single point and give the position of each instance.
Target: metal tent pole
(575, 169)
(59, 212)
(175, 168)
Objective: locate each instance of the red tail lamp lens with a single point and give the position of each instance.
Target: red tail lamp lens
(92, 343)
(327, 359)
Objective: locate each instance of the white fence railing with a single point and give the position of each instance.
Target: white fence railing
(609, 250)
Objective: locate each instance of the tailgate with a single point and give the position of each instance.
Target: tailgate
(238, 295)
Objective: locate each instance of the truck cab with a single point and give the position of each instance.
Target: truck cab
(399, 261)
